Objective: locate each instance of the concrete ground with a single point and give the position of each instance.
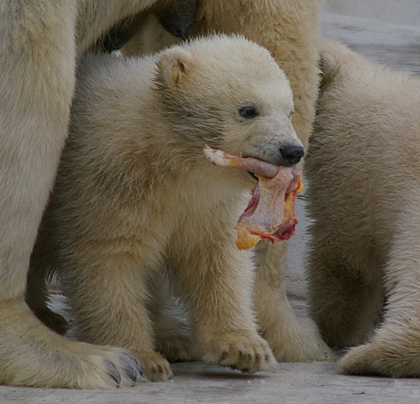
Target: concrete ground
(401, 12)
(309, 383)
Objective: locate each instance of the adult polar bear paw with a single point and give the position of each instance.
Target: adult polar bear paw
(43, 358)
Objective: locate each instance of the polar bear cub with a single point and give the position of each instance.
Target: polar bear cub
(363, 169)
(136, 201)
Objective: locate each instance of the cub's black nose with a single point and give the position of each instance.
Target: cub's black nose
(291, 154)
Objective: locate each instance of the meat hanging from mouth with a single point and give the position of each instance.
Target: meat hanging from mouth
(271, 212)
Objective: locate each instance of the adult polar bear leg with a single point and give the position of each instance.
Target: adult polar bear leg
(33, 355)
(37, 62)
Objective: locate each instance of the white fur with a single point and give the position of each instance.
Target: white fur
(39, 45)
(38, 50)
(363, 171)
(135, 197)
(290, 32)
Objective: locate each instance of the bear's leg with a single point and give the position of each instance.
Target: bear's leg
(109, 296)
(172, 334)
(33, 355)
(290, 337)
(345, 300)
(165, 23)
(37, 61)
(215, 280)
(394, 349)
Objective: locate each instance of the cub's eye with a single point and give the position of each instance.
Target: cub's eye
(248, 112)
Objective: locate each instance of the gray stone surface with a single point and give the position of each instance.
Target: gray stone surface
(393, 45)
(297, 383)
(313, 383)
(402, 12)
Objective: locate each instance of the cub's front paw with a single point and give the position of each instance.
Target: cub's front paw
(247, 354)
(156, 367)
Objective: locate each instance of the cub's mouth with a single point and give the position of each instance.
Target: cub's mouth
(253, 176)
(271, 211)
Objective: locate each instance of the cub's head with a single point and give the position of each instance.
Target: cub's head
(229, 93)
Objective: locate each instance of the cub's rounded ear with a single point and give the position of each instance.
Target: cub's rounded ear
(327, 61)
(173, 66)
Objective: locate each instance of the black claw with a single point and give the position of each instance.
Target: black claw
(132, 373)
(139, 367)
(113, 372)
(133, 368)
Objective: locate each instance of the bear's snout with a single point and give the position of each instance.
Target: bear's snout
(291, 154)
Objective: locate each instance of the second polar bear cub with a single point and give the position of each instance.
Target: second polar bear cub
(363, 170)
(135, 198)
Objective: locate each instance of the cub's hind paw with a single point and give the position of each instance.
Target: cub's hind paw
(297, 341)
(386, 359)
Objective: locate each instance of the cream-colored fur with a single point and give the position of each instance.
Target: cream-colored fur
(135, 197)
(289, 30)
(39, 44)
(363, 170)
